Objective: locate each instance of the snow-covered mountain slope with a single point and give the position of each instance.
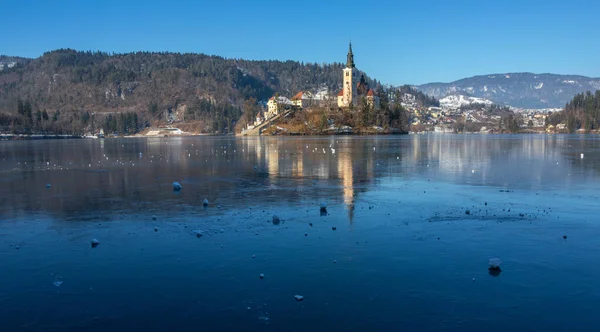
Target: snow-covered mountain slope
(524, 90)
(456, 101)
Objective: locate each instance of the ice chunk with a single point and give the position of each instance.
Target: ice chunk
(276, 220)
(495, 262)
(299, 297)
(57, 283)
(176, 186)
(205, 202)
(323, 207)
(95, 243)
(494, 269)
(198, 233)
(262, 276)
(48, 185)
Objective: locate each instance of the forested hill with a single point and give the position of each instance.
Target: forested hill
(582, 112)
(95, 81)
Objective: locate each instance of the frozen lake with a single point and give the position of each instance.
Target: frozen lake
(410, 226)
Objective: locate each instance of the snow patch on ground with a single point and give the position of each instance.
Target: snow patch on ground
(456, 101)
(322, 94)
(539, 86)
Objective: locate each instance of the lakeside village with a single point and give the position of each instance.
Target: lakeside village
(455, 114)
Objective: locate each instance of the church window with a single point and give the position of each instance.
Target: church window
(346, 73)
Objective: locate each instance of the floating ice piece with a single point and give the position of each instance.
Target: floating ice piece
(198, 233)
(323, 207)
(95, 243)
(276, 220)
(205, 202)
(299, 297)
(57, 283)
(48, 185)
(176, 186)
(582, 156)
(494, 269)
(153, 217)
(262, 276)
(495, 262)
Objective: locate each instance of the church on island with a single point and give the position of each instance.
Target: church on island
(355, 91)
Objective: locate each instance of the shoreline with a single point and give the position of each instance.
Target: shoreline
(18, 137)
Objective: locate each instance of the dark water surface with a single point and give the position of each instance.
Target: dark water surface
(405, 253)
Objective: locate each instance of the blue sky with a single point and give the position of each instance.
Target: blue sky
(396, 42)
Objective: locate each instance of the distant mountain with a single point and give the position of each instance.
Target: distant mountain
(523, 90)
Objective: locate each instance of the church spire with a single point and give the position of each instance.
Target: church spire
(350, 60)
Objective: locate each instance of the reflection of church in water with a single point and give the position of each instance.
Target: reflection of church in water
(305, 164)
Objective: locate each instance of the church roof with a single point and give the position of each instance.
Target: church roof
(370, 93)
(350, 57)
(298, 96)
(341, 94)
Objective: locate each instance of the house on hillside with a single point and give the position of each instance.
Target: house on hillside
(257, 122)
(372, 100)
(276, 104)
(303, 99)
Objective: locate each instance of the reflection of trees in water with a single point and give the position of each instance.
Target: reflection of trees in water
(497, 160)
(265, 170)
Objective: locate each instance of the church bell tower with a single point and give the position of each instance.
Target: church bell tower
(350, 80)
